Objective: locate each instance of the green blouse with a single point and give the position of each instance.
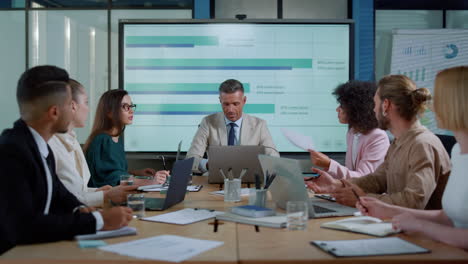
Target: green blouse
(106, 161)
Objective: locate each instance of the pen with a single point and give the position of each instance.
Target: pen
(164, 162)
(209, 210)
(243, 172)
(359, 199)
(230, 174)
(270, 180)
(222, 173)
(257, 182)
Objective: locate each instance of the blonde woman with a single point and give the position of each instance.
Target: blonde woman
(71, 166)
(449, 225)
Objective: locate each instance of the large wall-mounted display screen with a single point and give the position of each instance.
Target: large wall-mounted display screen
(172, 71)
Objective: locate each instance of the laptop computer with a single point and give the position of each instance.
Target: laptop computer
(177, 187)
(289, 186)
(235, 157)
(178, 151)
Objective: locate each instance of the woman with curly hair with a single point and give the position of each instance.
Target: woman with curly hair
(366, 143)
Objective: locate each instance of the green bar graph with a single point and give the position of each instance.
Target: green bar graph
(294, 63)
(195, 40)
(177, 87)
(187, 108)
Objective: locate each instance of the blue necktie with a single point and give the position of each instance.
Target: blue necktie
(232, 134)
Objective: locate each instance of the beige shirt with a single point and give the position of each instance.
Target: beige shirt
(414, 172)
(72, 168)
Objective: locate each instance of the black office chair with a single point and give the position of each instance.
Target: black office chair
(448, 142)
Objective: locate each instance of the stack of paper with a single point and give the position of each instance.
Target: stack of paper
(124, 231)
(362, 224)
(276, 221)
(184, 216)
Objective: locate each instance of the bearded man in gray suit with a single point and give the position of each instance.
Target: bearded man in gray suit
(230, 127)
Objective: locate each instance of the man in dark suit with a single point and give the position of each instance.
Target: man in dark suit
(35, 205)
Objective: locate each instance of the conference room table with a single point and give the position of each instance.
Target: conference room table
(241, 243)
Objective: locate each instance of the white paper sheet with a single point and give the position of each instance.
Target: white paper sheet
(244, 192)
(184, 216)
(166, 248)
(300, 141)
(190, 188)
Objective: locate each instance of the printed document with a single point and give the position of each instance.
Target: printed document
(165, 248)
(299, 140)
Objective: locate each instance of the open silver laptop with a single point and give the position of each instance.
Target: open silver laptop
(289, 186)
(237, 158)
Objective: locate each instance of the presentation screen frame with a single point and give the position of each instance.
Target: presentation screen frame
(123, 22)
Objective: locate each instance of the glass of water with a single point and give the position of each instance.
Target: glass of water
(136, 202)
(232, 190)
(297, 215)
(126, 179)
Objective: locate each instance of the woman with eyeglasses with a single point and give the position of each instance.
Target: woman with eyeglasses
(70, 163)
(104, 147)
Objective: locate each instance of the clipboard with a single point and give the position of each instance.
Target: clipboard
(369, 247)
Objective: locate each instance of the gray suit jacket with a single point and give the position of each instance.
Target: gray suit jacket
(213, 131)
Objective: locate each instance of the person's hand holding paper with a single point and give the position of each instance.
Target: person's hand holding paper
(319, 159)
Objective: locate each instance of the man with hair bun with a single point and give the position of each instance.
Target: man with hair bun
(416, 166)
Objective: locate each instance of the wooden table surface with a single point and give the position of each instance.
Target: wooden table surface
(241, 242)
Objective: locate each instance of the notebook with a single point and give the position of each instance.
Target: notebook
(277, 221)
(369, 247)
(184, 216)
(124, 231)
(362, 224)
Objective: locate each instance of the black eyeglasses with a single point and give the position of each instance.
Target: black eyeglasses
(127, 107)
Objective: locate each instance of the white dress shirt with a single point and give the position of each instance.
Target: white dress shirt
(42, 146)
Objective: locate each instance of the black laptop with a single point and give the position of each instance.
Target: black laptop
(177, 187)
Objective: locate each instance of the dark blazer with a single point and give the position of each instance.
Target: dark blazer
(23, 192)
